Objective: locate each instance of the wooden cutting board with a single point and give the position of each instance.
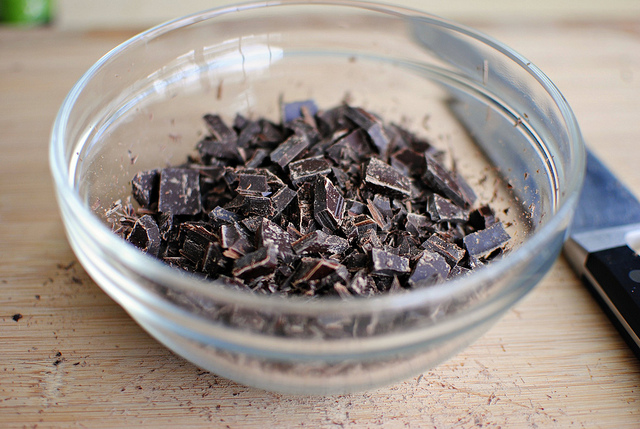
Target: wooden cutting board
(69, 356)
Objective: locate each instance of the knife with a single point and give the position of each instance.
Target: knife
(600, 248)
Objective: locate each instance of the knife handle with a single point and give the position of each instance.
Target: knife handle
(615, 275)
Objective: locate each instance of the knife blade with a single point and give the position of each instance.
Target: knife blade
(600, 248)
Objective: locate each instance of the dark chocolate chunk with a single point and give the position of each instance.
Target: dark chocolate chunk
(145, 235)
(145, 187)
(458, 271)
(482, 243)
(289, 150)
(441, 210)
(252, 183)
(305, 208)
(270, 234)
(262, 261)
(316, 269)
(194, 252)
(352, 147)
(409, 162)
(356, 226)
(430, 269)
(451, 252)
(328, 205)
(214, 261)
(388, 264)
(305, 128)
(249, 132)
(354, 207)
(308, 169)
(211, 148)
(355, 261)
(386, 178)
(200, 233)
(418, 225)
(219, 216)
(372, 125)
(440, 180)
(248, 205)
(235, 239)
(383, 204)
(320, 242)
(258, 158)
(179, 191)
(220, 130)
(362, 284)
(282, 199)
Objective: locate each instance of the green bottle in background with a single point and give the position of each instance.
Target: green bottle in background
(29, 12)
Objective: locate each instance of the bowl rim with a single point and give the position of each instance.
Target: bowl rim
(156, 271)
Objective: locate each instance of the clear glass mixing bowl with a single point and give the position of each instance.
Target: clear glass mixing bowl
(140, 107)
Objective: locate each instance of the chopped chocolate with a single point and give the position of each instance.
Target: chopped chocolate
(451, 252)
(179, 191)
(418, 225)
(248, 205)
(258, 158)
(356, 226)
(354, 207)
(383, 204)
(255, 264)
(458, 271)
(219, 216)
(316, 269)
(441, 210)
(388, 264)
(409, 162)
(270, 234)
(210, 147)
(235, 239)
(320, 242)
(145, 187)
(331, 202)
(442, 181)
(431, 268)
(282, 199)
(252, 184)
(362, 284)
(145, 235)
(328, 206)
(482, 244)
(386, 178)
(372, 125)
(308, 169)
(219, 129)
(289, 150)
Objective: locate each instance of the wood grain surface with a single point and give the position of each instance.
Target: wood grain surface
(75, 359)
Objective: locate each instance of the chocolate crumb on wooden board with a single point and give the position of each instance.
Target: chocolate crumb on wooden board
(326, 203)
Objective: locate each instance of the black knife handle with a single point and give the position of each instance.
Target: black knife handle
(616, 273)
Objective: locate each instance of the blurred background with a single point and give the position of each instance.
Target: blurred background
(139, 14)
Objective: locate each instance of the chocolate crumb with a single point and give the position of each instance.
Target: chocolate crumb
(17, 317)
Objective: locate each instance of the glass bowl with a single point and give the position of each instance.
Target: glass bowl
(510, 131)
